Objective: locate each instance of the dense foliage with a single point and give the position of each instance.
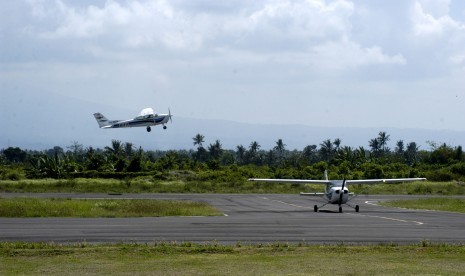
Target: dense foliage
(123, 160)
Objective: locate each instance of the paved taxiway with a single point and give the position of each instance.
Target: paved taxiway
(248, 219)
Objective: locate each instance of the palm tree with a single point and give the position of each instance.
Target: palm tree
(252, 153)
(116, 149)
(215, 150)
(360, 155)
(128, 149)
(309, 154)
(399, 147)
(254, 146)
(383, 138)
(280, 148)
(198, 139)
(337, 144)
(240, 153)
(326, 150)
(374, 145)
(345, 154)
(411, 153)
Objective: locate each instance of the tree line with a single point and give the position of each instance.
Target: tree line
(441, 162)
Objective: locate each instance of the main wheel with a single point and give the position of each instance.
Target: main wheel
(357, 208)
(149, 129)
(315, 208)
(164, 127)
(340, 209)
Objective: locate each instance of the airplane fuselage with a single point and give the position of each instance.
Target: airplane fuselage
(147, 117)
(333, 193)
(140, 122)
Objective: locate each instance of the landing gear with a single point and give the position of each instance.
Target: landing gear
(315, 208)
(357, 208)
(149, 129)
(164, 127)
(340, 209)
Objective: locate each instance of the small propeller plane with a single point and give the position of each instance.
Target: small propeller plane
(146, 118)
(336, 191)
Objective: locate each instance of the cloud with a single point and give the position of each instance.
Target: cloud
(348, 54)
(134, 24)
(307, 19)
(283, 29)
(427, 25)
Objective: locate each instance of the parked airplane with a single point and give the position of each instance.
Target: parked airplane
(146, 118)
(336, 191)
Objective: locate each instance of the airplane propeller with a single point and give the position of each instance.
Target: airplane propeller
(169, 115)
(341, 194)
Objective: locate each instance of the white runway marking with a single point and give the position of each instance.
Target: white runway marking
(401, 220)
(394, 219)
(290, 204)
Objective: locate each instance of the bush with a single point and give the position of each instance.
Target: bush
(458, 168)
(11, 173)
(440, 175)
(373, 171)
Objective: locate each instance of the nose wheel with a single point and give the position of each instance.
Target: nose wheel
(149, 129)
(164, 127)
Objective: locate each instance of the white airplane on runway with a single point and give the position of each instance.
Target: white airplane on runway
(146, 118)
(336, 191)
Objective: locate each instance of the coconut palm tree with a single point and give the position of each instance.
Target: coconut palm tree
(215, 150)
(116, 149)
(280, 149)
(252, 153)
(383, 138)
(240, 154)
(198, 140)
(326, 150)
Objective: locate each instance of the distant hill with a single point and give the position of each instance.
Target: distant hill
(60, 120)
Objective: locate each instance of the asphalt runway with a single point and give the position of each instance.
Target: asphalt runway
(248, 218)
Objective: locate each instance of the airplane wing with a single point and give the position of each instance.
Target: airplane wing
(389, 181)
(360, 181)
(292, 181)
(146, 111)
(312, 194)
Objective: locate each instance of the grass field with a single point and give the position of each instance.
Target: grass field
(150, 185)
(41, 207)
(435, 203)
(213, 259)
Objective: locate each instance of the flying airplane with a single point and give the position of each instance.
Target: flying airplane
(336, 191)
(146, 118)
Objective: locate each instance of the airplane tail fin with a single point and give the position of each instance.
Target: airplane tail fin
(101, 120)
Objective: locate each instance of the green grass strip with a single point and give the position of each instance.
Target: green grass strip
(214, 259)
(91, 208)
(437, 203)
(150, 185)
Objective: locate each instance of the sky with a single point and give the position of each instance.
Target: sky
(341, 63)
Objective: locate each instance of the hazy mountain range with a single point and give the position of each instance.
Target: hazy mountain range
(46, 120)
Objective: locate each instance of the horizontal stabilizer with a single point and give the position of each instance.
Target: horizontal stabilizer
(312, 194)
(292, 181)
